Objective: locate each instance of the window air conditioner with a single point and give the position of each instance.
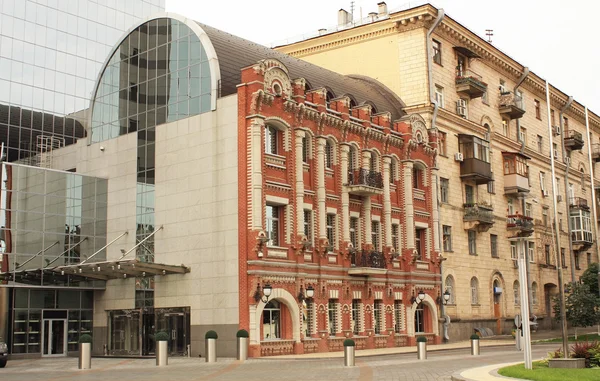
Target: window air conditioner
(555, 154)
(559, 198)
(515, 264)
(556, 130)
(458, 156)
(545, 192)
(461, 108)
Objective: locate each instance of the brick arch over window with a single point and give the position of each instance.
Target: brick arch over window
(282, 126)
(256, 311)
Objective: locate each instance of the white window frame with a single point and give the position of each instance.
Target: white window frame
(474, 291)
(447, 238)
(271, 137)
(439, 96)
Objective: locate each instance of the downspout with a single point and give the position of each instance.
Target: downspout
(567, 160)
(525, 243)
(428, 44)
(594, 206)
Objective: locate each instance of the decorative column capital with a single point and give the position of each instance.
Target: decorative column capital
(300, 133)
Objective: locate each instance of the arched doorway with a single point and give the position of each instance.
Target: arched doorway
(271, 321)
(284, 313)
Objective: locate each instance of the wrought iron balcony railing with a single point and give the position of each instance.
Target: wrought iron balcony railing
(478, 212)
(519, 221)
(365, 177)
(368, 258)
(578, 202)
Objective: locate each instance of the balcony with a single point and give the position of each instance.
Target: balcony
(520, 224)
(582, 239)
(367, 262)
(516, 173)
(578, 203)
(573, 140)
(364, 182)
(476, 170)
(510, 105)
(596, 152)
(469, 83)
(478, 216)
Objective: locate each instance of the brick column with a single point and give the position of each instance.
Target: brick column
(407, 167)
(387, 204)
(366, 164)
(299, 183)
(321, 196)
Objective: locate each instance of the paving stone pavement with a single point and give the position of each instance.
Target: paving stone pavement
(439, 366)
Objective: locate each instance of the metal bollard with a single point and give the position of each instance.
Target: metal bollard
(421, 348)
(211, 346)
(85, 356)
(474, 345)
(242, 348)
(189, 350)
(349, 352)
(162, 355)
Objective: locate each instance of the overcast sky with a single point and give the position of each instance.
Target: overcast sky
(558, 40)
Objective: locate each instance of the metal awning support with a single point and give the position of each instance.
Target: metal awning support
(139, 243)
(64, 252)
(38, 253)
(104, 247)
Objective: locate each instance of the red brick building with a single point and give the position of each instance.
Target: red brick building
(334, 196)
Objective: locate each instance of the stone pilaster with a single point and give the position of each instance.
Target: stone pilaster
(407, 168)
(344, 149)
(257, 127)
(299, 182)
(321, 195)
(366, 163)
(387, 204)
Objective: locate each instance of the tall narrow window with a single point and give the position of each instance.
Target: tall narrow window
(474, 291)
(447, 237)
(576, 255)
(332, 316)
(355, 316)
(469, 195)
(540, 143)
(516, 293)
(273, 225)
(552, 117)
(513, 251)
(419, 319)
(398, 315)
(419, 242)
(547, 254)
(271, 140)
(523, 135)
(494, 245)
(328, 155)
(444, 188)
(271, 321)
(531, 252)
(528, 209)
(545, 216)
(505, 128)
(378, 316)
(331, 230)
(442, 144)
(439, 96)
(542, 181)
(396, 237)
(309, 317)
(308, 225)
(393, 171)
(375, 234)
(305, 149)
(534, 293)
(472, 242)
(354, 231)
(562, 257)
(351, 159)
(538, 111)
(437, 52)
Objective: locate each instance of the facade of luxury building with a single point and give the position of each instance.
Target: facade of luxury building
(229, 167)
(492, 118)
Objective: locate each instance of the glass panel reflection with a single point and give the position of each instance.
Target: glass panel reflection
(161, 65)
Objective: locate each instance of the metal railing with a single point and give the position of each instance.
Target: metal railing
(519, 221)
(365, 177)
(510, 99)
(572, 134)
(368, 258)
(464, 75)
(578, 202)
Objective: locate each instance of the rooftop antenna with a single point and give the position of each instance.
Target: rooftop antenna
(489, 33)
(352, 11)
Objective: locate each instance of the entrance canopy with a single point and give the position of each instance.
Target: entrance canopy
(93, 271)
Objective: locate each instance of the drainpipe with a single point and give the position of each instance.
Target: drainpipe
(525, 242)
(594, 206)
(429, 47)
(567, 160)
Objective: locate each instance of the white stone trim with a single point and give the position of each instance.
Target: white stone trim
(355, 214)
(334, 294)
(306, 206)
(356, 294)
(256, 315)
(376, 217)
(378, 295)
(421, 225)
(398, 295)
(331, 210)
(433, 313)
(277, 200)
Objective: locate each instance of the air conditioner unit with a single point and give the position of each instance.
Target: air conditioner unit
(458, 156)
(555, 154)
(559, 198)
(515, 264)
(461, 108)
(556, 130)
(545, 192)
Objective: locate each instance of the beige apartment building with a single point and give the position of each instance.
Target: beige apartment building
(495, 189)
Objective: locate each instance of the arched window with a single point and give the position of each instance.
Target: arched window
(449, 284)
(271, 140)
(417, 177)
(534, 293)
(328, 97)
(272, 321)
(374, 161)
(420, 318)
(393, 169)
(517, 293)
(352, 159)
(306, 141)
(474, 291)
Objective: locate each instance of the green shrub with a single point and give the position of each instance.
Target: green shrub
(85, 338)
(242, 333)
(349, 343)
(421, 339)
(161, 336)
(211, 335)
(583, 350)
(474, 336)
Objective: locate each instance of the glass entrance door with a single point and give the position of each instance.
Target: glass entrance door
(54, 337)
(177, 332)
(124, 332)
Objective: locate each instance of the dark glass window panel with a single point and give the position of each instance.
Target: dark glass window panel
(183, 53)
(143, 67)
(68, 299)
(42, 299)
(21, 298)
(161, 115)
(163, 31)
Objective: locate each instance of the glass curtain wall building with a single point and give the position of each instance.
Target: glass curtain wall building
(51, 52)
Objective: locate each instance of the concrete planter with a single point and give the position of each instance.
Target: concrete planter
(566, 363)
(85, 355)
(421, 350)
(242, 348)
(211, 350)
(349, 356)
(162, 353)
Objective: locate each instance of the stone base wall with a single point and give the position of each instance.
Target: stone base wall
(226, 343)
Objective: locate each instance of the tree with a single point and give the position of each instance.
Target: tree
(582, 306)
(590, 277)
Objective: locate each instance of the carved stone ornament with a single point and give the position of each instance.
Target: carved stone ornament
(277, 82)
(419, 129)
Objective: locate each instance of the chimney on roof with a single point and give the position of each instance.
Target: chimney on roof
(372, 16)
(382, 8)
(322, 31)
(343, 18)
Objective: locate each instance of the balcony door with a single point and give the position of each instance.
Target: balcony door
(469, 195)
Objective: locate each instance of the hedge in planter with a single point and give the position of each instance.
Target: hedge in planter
(211, 335)
(85, 338)
(240, 333)
(349, 343)
(474, 337)
(421, 339)
(161, 336)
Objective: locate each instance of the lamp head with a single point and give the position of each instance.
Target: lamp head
(421, 295)
(446, 296)
(310, 292)
(267, 290)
